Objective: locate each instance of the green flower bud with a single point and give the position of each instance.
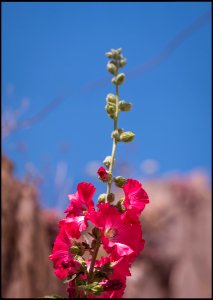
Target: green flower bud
(119, 181)
(111, 98)
(124, 106)
(120, 130)
(122, 62)
(109, 54)
(127, 136)
(115, 135)
(119, 79)
(115, 62)
(111, 68)
(120, 205)
(74, 250)
(107, 161)
(81, 260)
(116, 54)
(110, 110)
(102, 198)
(119, 50)
(110, 197)
(95, 288)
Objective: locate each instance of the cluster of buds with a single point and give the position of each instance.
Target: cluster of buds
(108, 225)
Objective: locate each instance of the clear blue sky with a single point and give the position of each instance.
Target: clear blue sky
(54, 50)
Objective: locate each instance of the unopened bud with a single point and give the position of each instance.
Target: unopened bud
(120, 205)
(119, 50)
(111, 98)
(110, 197)
(115, 135)
(81, 260)
(95, 288)
(119, 79)
(127, 136)
(107, 161)
(120, 130)
(122, 62)
(103, 174)
(124, 106)
(102, 198)
(109, 54)
(110, 110)
(111, 68)
(119, 181)
(74, 250)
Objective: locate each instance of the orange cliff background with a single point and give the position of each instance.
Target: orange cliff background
(176, 261)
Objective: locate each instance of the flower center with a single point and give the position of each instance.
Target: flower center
(110, 233)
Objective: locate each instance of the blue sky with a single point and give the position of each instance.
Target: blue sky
(52, 50)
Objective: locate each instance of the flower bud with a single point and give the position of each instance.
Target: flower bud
(124, 106)
(102, 198)
(122, 62)
(107, 161)
(120, 205)
(81, 260)
(120, 130)
(74, 250)
(111, 68)
(110, 110)
(119, 181)
(127, 136)
(110, 197)
(119, 50)
(109, 54)
(115, 135)
(103, 174)
(95, 288)
(119, 79)
(111, 98)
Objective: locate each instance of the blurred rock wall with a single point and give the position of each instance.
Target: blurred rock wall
(176, 261)
(27, 237)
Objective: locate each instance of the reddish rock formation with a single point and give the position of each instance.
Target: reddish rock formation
(176, 261)
(26, 241)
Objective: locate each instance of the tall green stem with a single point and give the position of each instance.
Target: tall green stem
(114, 145)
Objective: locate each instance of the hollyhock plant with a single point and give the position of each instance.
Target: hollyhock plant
(112, 226)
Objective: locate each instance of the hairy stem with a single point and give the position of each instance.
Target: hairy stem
(94, 256)
(114, 145)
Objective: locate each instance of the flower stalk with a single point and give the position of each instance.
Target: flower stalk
(111, 227)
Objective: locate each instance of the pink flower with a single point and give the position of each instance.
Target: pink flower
(80, 203)
(120, 236)
(135, 197)
(115, 285)
(103, 175)
(61, 256)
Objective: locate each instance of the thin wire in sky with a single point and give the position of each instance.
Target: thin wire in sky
(140, 70)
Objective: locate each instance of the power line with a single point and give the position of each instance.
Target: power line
(149, 65)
